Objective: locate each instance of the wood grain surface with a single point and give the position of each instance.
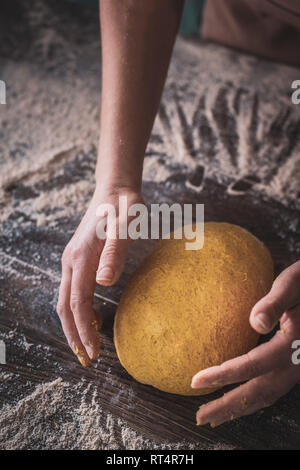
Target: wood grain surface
(31, 309)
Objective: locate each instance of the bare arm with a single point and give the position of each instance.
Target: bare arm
(137, 41)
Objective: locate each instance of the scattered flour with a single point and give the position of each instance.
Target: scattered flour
(225, 111)
(58, 415)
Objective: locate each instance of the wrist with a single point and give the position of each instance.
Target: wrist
(107, 188)
(117, 171)
(115, 179)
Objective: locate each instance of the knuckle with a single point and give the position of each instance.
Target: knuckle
(277, 310)
(225, 368)
(77, 300)
(76, 252)
(66, 255)
(275, 307)
(72, 253)
(61, 309)
(111, 253)
(290, 274)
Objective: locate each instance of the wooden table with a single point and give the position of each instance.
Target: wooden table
(157, 415)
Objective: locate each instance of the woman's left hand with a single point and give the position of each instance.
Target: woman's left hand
(269, 370)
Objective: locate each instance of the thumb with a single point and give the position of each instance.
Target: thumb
(283, 296)
(112, 261)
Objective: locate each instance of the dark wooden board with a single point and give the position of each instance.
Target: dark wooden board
(156, 415)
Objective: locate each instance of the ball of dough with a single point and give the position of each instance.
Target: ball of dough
(183, 311)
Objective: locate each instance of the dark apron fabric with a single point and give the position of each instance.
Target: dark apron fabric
(267, 28)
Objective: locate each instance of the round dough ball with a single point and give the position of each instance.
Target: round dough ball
(183, 311)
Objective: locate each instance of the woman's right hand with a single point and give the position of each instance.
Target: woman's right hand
(86, 259)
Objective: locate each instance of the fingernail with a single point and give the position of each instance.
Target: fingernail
(84, 361)
(90, 352)
(195, 383)
(93, 350)
(263, 322)
(202, 375)
(195, 379)
(105, 274)
(200, 421)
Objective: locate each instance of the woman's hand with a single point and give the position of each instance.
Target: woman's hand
(85, 259)
(268, 370)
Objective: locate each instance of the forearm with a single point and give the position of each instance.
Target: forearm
(137, 42)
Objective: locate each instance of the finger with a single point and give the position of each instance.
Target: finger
(258, 361)
(112, 261)
(81, 303)
(250, 397)
(66, 317)
(283, 296)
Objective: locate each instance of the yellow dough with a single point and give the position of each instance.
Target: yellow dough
(183, 311)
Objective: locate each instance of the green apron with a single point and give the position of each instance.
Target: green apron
(191, 17)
